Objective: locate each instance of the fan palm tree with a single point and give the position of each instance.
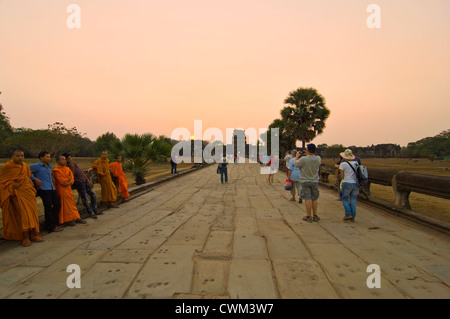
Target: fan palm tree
(139, 151)
(305, 114)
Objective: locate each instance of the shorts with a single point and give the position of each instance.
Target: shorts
(310, 191)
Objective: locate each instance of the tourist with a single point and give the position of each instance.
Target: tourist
(337, 175)
(273, 168)
(18, 202)
(42, 177)
(64, 179)
(224, 170)
(287, 159)
(120, 178)
(309, 178)
(173, 164)
(350, 187)
(294, 176)
(83, 185)
(109, 190)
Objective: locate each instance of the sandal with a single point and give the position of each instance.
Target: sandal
(316, 218)
(308, 219)
(56, 229)
(26, 242)
(37, 238)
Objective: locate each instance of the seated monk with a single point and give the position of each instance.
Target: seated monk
(109, 190)
(18, 201)
(119, 175)
(64, 179)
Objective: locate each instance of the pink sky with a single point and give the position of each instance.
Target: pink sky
(153, 66)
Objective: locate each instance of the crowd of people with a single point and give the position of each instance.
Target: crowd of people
(20, 184)
(303, 175)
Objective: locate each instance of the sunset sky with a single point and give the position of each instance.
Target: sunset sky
(142, 66)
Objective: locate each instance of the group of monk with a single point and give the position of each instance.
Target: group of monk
(19, 188)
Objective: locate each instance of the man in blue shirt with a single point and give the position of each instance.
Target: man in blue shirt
(42, 178)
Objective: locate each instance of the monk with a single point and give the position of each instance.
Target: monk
(109, 190)
(64, 179)
(119, 175)
(18, 201)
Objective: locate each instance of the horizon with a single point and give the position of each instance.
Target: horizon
(152, 67)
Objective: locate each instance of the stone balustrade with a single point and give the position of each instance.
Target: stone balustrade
(403, 183)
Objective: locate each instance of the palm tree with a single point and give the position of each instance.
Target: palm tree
(139, 151)
(286, 140)
(305, 115)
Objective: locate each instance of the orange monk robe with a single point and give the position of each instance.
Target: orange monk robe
(19, 208)
(68, 210)
(109, 190)
(117, 171)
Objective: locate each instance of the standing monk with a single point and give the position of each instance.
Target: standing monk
(109, 190)
(63, 180)
(18, 201)
(118, 174)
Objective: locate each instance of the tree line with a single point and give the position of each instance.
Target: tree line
(137, 150)
(303, 118)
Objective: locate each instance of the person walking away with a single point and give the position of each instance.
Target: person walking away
(109, 190)
(309, 178)
(273, 168)
(83, 186)
(119, 175)
(18, 201)
(43, 180)
(287, 159)
(173, 164)
(64, 179)
(224, 170)
(350, 187)
(294, 176)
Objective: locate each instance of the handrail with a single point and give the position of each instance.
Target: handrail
(403, 183)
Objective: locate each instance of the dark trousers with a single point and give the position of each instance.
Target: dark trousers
(224, 172)
(52, 204)
(174, 168)
(83, 191)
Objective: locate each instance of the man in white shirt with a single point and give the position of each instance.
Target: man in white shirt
(350, 187)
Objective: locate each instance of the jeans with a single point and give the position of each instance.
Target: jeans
(174, 168)
(349, 196)
(224, 172)
(83, 191)
(52, 205)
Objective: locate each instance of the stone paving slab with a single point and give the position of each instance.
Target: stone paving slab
(105, 281)
(193, 237)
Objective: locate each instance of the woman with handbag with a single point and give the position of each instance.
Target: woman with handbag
(294, 176)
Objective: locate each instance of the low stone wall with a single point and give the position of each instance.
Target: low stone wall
(402, 183)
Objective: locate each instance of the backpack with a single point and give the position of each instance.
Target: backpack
(361, 174)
